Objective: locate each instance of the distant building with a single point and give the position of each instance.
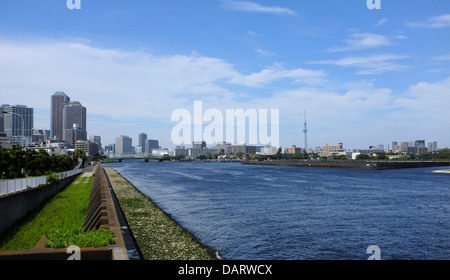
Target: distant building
(98, 140)
(268, 150)
(2, 118)
(74, 122)
(91, 148)
(40, 135)
(58, 100)
(235, 149)
(294, 150)
(180, 151)
(19, 122)
(142, 139)
(328, 150)
(221, 147)
(150, 145)
(432, 146)
(109, 148)
(198, 145)
(123, 145)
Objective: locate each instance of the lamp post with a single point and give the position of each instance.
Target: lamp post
(23, 124)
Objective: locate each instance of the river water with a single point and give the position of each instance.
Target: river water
(249, 212)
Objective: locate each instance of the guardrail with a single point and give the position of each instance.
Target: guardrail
(17, 185)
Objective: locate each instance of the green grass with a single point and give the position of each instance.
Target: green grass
(64, 213)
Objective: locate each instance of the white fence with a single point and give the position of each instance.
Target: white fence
(17, 185)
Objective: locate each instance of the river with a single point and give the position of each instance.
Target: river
(249, 212)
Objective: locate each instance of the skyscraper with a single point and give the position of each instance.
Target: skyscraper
(58, 100)
(142, 138)
(74, 122)
(18, 122)
(123, 144)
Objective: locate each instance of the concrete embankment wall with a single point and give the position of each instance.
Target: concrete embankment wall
(362, 165)
(101, 214)
(17, 206)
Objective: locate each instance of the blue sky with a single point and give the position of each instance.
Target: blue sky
(366, 77)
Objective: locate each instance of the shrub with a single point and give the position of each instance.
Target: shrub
(60, 238)
(53, 179)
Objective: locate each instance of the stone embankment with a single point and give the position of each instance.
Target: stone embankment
(361, 165)
(158, 235)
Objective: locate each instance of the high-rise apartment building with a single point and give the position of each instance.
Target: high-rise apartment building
(19, 122)
(58, 100)
(123, 145)
(142, 138)
(74, 122)
(151, 145)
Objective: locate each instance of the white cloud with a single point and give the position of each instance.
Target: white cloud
(122, 87)
(444, 57)
(362, 41)
(128, 92)
(380, 22)
(277, 73)
(264, 53)
(441, 21)
(246, 6)
(370, 64)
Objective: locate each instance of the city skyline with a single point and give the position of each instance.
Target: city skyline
(365, 77)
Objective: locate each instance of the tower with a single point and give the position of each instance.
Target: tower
(305, 131)
(58, 100)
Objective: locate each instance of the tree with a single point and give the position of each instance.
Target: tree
(363, 156)
(79, 153)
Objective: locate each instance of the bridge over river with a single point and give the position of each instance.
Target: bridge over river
(144, 156)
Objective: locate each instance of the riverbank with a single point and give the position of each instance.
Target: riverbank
(351, 164)
(158, 236)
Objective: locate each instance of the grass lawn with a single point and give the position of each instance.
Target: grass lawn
(65, 212)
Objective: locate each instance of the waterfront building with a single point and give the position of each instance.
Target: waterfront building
(123, 145)
(150, 145)
(235, 149)
(329, 150)
(268, 150)
(58, 100)
(18, 123)
(198, 145)
(142, 139)
(293, 150)
(221, 147)
(180, 151)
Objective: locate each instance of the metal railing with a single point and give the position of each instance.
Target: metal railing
(18, 185)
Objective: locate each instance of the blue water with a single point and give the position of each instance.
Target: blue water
(249, 212)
